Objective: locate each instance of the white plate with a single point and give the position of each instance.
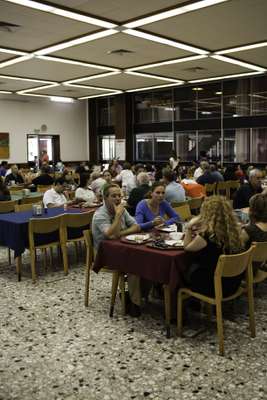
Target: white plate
(174, 243)
(138, 238)
(170, 228)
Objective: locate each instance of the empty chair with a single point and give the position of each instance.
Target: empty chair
(227, 266)
(32, 200)
(195, 204)
(184, 212)
(7, 206)
(210, 189)
(223, 189)
(23, 207)
(43, 188)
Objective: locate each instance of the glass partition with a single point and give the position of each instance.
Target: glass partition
(106, 147)
(186, 145)
(236, 145)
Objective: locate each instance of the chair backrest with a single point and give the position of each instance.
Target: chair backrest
(260, 253)
(7, 206)
(234, 184)
(184, 212)
(74, 221)
(43, 225)
(232, 265)
(210, 188)
(23, 207)
(223, 187)
(32, 200)
(195, 203)
(43, 188)
(178, 204)
(15, 189)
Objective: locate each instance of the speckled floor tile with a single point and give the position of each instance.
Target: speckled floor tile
(53, 348)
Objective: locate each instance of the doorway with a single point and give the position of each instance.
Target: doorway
(38, 144)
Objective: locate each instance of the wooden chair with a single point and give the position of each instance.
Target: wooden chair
(227, 266)
(32, 200)
(15, 189)
(195, 204)
(117, 277)
(260, 256)
(174, 205)
(223, 189)
(233, 187)
(7, 206)
(43, 188)
(184, 212)
(210, 189)
(68, 221)
(23, 207)
(42, 226)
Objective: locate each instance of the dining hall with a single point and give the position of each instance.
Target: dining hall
(133, 199)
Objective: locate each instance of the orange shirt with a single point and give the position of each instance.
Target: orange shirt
(193, 189)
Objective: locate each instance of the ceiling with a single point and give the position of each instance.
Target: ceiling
(89, 48)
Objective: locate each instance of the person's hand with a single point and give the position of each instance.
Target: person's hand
(193, 222)
(158, 221)
(119, 210)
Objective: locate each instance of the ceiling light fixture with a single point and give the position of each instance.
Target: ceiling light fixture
(168, 42)
(79, 63)
(5, 92)
(10, 51)
(87, 78)
(25, 91)
(100, 95)
(173, 12)
(197, 89)
(242, 48)
(162, 78)
(75, 42)
(153, 87)
(16, 78)
(240, 63)
(219, 92)
(92, 87)
(15, 60)
(60, 99)
(63, 13)
(169, 62)
(216, 78)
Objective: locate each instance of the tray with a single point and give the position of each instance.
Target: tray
(152, 245)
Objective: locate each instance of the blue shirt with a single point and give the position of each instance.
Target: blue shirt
(144, 216)
(174, 193)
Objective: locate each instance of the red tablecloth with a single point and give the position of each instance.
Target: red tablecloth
(164, 266)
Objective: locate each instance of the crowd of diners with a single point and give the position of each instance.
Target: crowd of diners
(137, 198)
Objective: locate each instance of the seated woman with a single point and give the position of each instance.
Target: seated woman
(213, 232)
(84, 193)
(150, 212)
(256, 230)
(4, 192)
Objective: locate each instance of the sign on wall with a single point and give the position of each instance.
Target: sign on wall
(120, 149)
(4, 145)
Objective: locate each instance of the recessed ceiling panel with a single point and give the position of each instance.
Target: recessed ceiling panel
(124, 81)
(129, 51)
(49, 70)
(37, 29)
(255, 56)
(119, 10)
(204, 68)
(16, 85)
(70, 91)
(229, 24)
(5, 56)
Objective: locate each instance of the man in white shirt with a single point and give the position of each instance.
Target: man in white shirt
(200, 170)
(127, 178)
(55, 197)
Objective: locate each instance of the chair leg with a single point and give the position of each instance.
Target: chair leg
(87, 280)
(220, 327)
(9, 256)
(65, 259)
(167, 303)
(115, 282)
(209, 311)
(180, 313)
(122, 288)
(51, 257)
(18, 267)
(33, 262)
(251, 311)
(76, 251)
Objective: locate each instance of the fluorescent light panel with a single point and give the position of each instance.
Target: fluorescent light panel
(168, 42)
(75, 42)
(216, 78)
(162, 78)
(16, 78)
(10, 51)
(79, 63)
(153, 87)
(87, 78)
(242, 48)
(159, 64)
(63, 13)
(172, 13)
(15, 60)
(25, 91)
(240, 63)
(100, 95)
(92, 87)
(61, 99)
(5, 92)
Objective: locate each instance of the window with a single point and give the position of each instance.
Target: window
(184, 104)
(105, 111)
(259, 145)
(106, 147)
(162, 108)
(236, 98)
(186, 145)
(236, 144)
(144, 147)
(209, 101)
(143, 109)
(163, 145)
(209, 144)
(36, 144)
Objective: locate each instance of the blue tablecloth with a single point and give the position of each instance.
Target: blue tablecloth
(14, 227)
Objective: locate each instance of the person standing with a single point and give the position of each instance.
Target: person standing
(173, 160)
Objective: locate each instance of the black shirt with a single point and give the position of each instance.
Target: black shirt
(207, 177)
(136, 195)
(243, 195)
(43, 179)
(16, 178)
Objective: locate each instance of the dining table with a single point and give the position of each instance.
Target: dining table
(163, 266)
(18, 196)
(14, 229)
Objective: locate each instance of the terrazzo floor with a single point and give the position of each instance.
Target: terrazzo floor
(53, 348)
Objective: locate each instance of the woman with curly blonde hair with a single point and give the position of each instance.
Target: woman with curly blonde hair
(213, 232)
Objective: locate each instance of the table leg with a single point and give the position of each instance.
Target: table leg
(18, 267)
(167, 303)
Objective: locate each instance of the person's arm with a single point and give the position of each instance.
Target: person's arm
(113, 231)
(169, 211)
(140, 216)
(135, 228)
(191, 243)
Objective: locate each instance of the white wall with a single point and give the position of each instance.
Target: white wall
(20, 116)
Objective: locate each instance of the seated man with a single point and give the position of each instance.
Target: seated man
(14, 176)
(247, 190)
(111, 221)
(174, 192)
(44, 178)
(138, 193)
(55, 197)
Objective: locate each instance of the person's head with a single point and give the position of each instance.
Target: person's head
(45, 169)
(112, 195)
(14, 169)
(173, 154)
(168, 175)
(204, 165)
(258, 208)
(84, 180)
(4, 164)
(221, 224)
(213, 167)
(60, 185)
(157, 192)
(139, 168)
(107, 176)
(95, 175)
(255, 178)
(126, 165)
(142, 178)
